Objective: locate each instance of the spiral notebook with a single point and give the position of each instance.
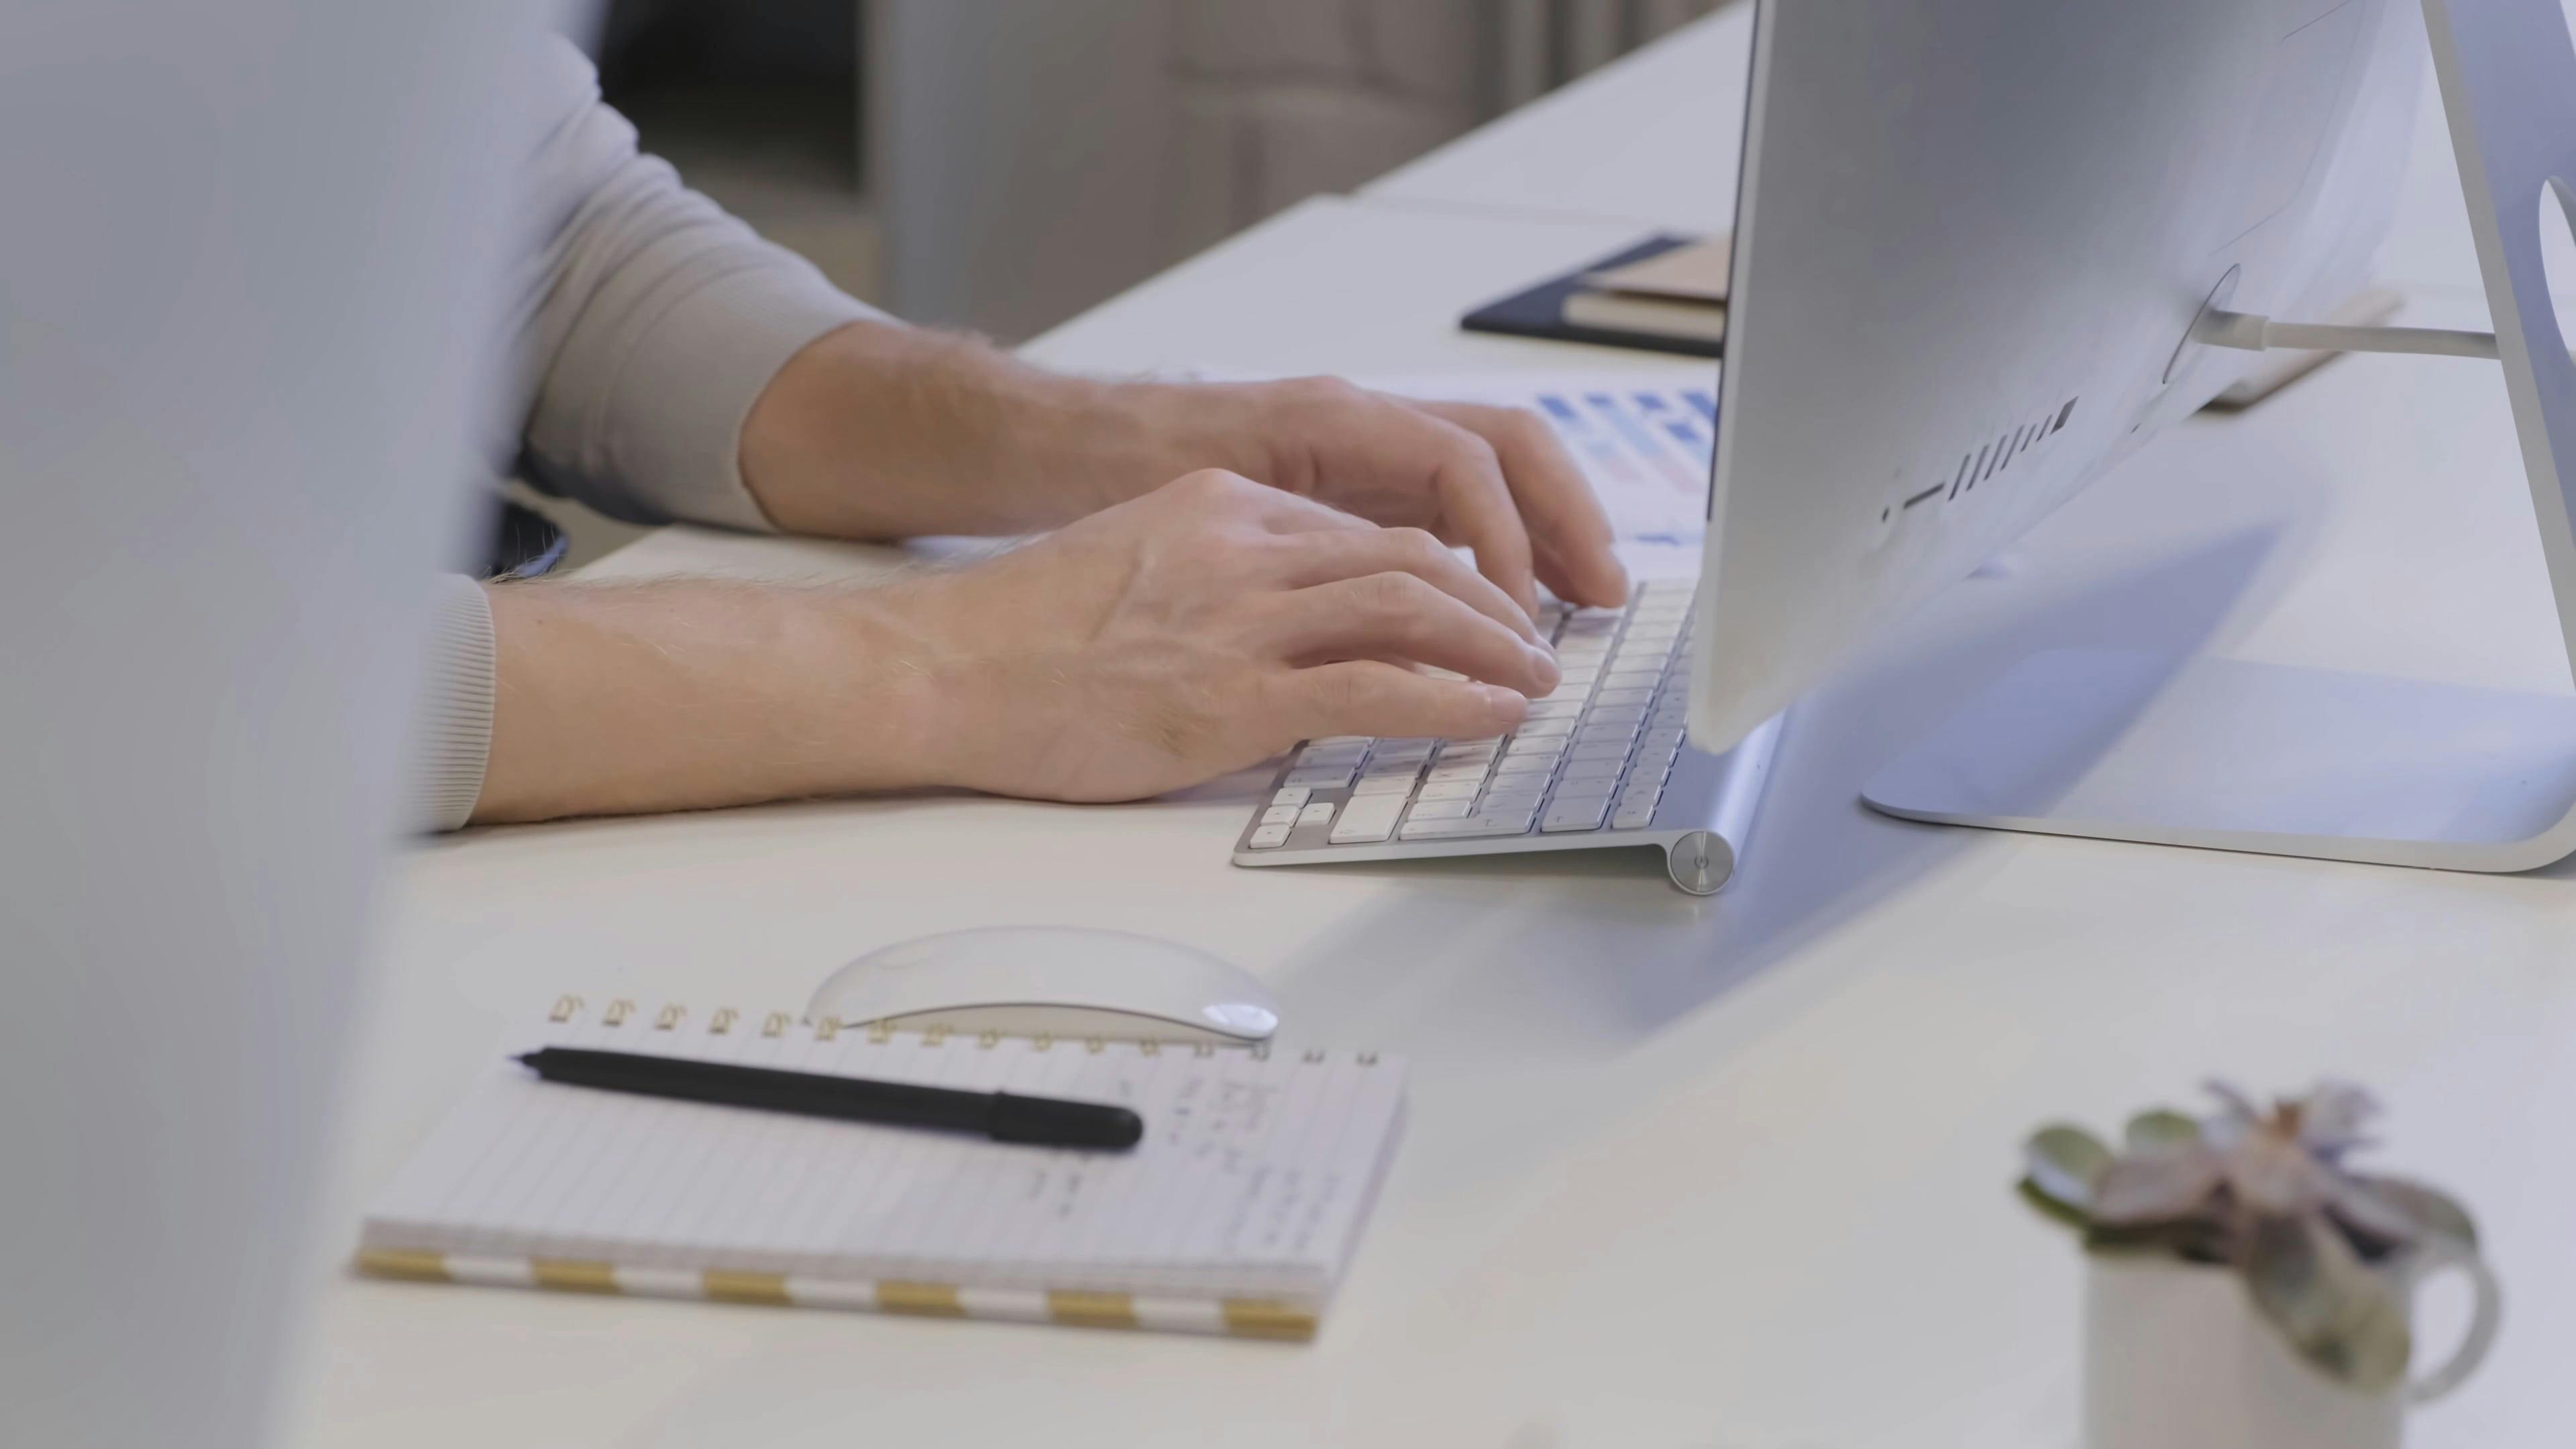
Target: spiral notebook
(1237, 1214)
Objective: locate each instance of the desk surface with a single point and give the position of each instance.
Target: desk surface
(1678, 1171)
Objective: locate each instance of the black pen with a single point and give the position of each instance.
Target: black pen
(1036, 1121)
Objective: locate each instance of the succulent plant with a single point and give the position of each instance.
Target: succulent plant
(2321, 1247)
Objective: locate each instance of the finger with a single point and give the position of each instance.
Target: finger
(1330, 558)
(1400, 616)
(1476, 502)
(1364, 697)
(1569, 530)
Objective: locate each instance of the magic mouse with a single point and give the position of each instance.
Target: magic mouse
(1051, 980)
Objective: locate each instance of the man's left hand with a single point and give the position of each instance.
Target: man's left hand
(1494, 480)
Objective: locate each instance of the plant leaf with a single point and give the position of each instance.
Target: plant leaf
(2065, 1163)
(2239, 1107)
(2377, 1224)
(2156, 1186)
(2330, 1121)
(2162, 1128)
(2434, 1211)
(2339, 1315)
(2049, 1207)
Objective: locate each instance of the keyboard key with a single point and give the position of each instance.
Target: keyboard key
(1319, 813)
(1632, 679)
(1516, 767)
(1279, 815)
(1367, 822)
(1328, 778)
(1658, 738)
(1606, 750)
(1401, 751)
(1613, 698)
(1555, 708)
(1539, 729)
(1583, 812)
(1499, 802)
(1633, 817)
(1317, 755)
(1270, 837)
(1529, 744)
(1458, 809)
(1292, 795)
(1606, 734)
(1505, 817)
(1452, 789)
(1604, 771)
(1372, 786)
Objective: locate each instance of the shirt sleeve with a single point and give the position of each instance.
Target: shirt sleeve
(454, 737)
(648, 320)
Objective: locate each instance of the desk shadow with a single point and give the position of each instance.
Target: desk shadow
(1564, 960)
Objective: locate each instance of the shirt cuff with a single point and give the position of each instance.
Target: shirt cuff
(674, 426)
(454, 740)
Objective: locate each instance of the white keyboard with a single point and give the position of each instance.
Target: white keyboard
(1602, 761)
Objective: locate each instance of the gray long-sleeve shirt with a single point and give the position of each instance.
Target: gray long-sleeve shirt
(645, 323)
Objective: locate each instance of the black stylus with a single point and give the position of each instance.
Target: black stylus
(1037, 1121)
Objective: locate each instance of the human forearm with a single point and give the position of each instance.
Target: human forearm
(885, 431)
(1152, 646)
(623, 699)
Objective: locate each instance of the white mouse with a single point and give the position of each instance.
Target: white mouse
(1052, 980)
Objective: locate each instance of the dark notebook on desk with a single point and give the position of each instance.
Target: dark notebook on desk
(1542, 311)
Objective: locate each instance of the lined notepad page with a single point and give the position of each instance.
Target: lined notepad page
(1254, 1179)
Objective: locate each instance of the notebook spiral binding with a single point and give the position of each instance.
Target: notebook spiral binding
(569, 1008)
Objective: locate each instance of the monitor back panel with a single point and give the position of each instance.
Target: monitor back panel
(1972, 238)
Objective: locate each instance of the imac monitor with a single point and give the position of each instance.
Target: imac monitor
(1972, 238)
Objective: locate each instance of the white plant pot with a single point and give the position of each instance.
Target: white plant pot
(2176, 1357)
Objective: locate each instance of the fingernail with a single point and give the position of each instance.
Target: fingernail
(1510, 703)
(1543, 662)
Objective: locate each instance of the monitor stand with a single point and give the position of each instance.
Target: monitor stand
(2308, 762)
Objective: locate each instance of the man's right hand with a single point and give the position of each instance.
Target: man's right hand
(1199, 629)
(1205, 627)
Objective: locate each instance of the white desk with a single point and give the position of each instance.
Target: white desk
(1679, 1172)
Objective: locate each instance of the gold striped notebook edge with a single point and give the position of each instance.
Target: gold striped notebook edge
(1257, 1318)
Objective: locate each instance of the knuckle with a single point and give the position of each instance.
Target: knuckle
(1468, 453)
(1522, 426)
(1322, 391)
(1417, 546)
(1348, 691)
(1476, 453)
(1391, 597)
(1212, 484)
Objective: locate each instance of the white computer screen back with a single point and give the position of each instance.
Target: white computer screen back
(1971, 236)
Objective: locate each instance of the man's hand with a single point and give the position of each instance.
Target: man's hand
(1159, 643)
(883, 431)
(1494, 480)
(1206, 627)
